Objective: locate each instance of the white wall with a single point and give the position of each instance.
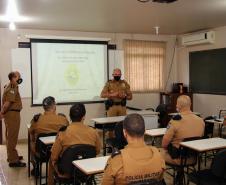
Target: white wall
(204, 103)
(9, 40)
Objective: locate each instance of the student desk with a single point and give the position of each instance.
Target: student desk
(158, 132)
(104, 122)
(204, 145)
(177, 113)
(91, 166)
(219, 122)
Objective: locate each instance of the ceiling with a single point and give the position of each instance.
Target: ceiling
(120, 16)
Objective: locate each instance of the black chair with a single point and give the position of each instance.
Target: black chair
(42, 156)
(150, 182)
(119, 140)
(163, 116)
(222, 113)
(133, 108)
(216, 175)
(65, 166)
(150, 108)
(183, 153)
(208, 132)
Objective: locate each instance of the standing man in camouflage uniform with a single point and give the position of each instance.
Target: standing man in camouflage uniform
(11, 108)
(117, 91)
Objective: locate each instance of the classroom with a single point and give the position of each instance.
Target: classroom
(101, 67)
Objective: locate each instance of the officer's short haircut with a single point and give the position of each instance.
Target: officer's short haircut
(184, 101)
(48, 102)
(77, 112)
(11, 75)
(134, 125)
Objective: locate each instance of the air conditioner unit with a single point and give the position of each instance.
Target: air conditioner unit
(199, 38)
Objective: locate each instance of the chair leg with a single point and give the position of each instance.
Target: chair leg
(36, 169)
(40, 173)
(46, 171)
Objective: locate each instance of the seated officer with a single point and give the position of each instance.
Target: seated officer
(137, 162)
(76, 133)
(48, 122)
(182, 126)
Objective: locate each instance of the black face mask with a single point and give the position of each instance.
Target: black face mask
(19, 81)
(117, 78)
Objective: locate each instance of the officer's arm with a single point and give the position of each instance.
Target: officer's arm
(106, 94)
(98, 144)
(129, 95)
(5, 107)
(56, 150)
(108, 178)
(167, 138)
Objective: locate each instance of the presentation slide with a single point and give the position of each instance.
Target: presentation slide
(70, 72)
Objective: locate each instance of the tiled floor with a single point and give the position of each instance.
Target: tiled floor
(19, 176)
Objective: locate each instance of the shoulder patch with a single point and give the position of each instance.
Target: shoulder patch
(36, 117)
(177, 117)
(61, 114)
(63, 128)
(115, 152)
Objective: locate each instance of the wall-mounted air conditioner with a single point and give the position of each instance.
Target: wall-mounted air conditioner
(198, 38)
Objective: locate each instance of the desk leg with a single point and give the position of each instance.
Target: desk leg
(104, 144)
(29, 154)
(153, 141)
(199, 161)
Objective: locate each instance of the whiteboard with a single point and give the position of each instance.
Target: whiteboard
(21, 62)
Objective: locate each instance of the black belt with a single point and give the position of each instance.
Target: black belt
(117, 103)
(15, 110)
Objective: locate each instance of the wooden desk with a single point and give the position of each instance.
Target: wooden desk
(91, 166)
(158, 132)
(48, 140)
(204, 145)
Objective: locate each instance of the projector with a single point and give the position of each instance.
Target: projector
(164, 1)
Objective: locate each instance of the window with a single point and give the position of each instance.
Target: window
(144, 62)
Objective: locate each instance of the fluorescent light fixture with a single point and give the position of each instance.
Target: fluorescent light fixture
(12, 14)
(12, 26)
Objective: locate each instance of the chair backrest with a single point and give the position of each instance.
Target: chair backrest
(121, 140)
(41, 147)
(149, 182)
(222, 113)
(74, 152)
(208, 127)
(133, 108)
(218, 166)
(163, 116)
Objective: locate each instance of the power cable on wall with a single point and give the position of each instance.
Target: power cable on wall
(171, 65)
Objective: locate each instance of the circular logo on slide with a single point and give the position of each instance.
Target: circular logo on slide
(71, 74)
